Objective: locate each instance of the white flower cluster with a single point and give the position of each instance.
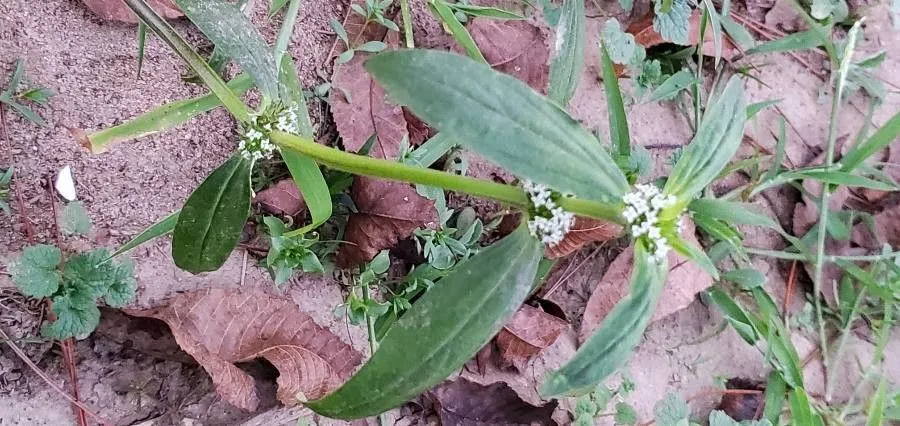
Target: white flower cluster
(642, 207)
(549, 223)
(255, 143)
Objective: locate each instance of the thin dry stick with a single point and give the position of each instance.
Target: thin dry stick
(789, 293)
(569, 275)
(21, 354)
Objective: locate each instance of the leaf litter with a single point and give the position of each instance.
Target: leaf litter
(528, 333)
(466, 403)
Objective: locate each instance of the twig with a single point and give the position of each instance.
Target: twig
(569, 275)
(21, 354)
(788, 294)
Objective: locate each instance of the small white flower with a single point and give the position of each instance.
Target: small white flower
(642, 207)
(550, 230)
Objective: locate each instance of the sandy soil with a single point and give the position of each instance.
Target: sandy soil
(125, 375)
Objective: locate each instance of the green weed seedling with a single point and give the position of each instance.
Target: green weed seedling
(373, 46)
(288, 253)
(74, 282)
(18, 91)
(5, 182)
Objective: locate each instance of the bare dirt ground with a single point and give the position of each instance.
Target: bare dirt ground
(132, 372)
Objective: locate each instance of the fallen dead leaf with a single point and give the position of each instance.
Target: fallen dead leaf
(887, 230)
(646, 36)
(517, 48)
(283, 198)
(744, 405)
(466, 403)
(387, 211)
(684, 281)
(115, 10)
(220, 327)
(529, 332)
(583, 232)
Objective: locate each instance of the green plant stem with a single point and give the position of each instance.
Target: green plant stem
(215, 83)
(823, 203)
(359, 164)
(287, 29)
(887, 323)
(407, 24)
(373, 342)
(825, 258)
(845, 333)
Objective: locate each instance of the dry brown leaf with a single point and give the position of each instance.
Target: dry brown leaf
(529, 332)
(742, 406)
(887, 230)
(283, 198)
(583, 232)
(466, 403)
(684, 281)
(220, 327)
(115, 10)
(387, 211)
(646, 36)
(517, 48)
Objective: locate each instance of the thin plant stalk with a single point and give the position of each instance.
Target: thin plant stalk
(287, 29)
(407, 24)
(360, 164)
(373, 340)
(877, 359)
(825, 258)
(845, 333)
(823, 203)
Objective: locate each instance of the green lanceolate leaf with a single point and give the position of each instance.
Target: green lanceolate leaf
(732, 212)
(459, 32)
(803, 40)
(618, 122)
(611, 345)
(234, 34)
(878, 141)
(162, 118)
(485, 11)
(500, 118)
(718, 138)
(435, 337)
(36, 272)
(158, 229)
(213, 217)
(774, 397)
(568, 52)
(677, 82)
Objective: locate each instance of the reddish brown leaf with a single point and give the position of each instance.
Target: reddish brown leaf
(283, 198)
(529, 332)
(646, 36)
(115, 10)
(743, 399)
(386, 212)
(466, 403)
(220, 327)
(517, 48)
(583, 232)
(887, 230)
(685, 280)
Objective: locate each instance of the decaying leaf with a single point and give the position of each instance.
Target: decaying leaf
(115, 10)
(742, 406)
(530, 331)
(283, 198)
(646, 36)
(220, 327)
(386, 212)
(685, 280)
(887, 230)
(583, 232)
(466, 403)
(517, 48)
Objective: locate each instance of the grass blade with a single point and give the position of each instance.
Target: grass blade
(677, 82)
(774, 397)
(618, 122)
(611, 345)
(435, 338)
(459, 32)
(803, 40)
(485, 11)
(568, 53)
(878, 141)
(141, 42)
(152, 232)
(162, 118)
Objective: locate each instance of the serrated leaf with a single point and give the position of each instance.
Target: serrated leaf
(625, 414)
(90, 274)
(75, 315)
(232, 32)
(435, 338)
(122, 285)
(36, 272)
(568, 53)
(213, 217)
(671, 411)
(620, 45)
(75, 220)
(673, 25)
(715, 143)
(501, 119)
(611, 345)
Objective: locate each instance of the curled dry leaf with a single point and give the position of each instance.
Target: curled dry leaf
(530, 331)
(466, 403)
(220, 327)
(283, 198)
(386, 212)
(115, 10)
(646, 36)
(583, 232)
(517, 48)
(685, 280)
(742, 406)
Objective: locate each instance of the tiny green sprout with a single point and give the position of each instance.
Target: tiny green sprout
(289, 253)
(18, 91)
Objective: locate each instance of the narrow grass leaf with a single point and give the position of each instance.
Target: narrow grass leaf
(801, 410)
(669, 88)
(433, 149)
(459, 32)
(742, 322)
(611, 345)
(875, 413)
(213, 217)
(747, 278)
(718, 138)
(732, 212)
(774, 397)
(230, 30)
(162, 118)
(158, 229)
(842, 178)
(435, 338)
(275, 6)
(695, 254)
(878, 141)
(502, 119)
(756, 107)
(803, 40)
(485, 11)
(141, 43)
(568, 53)
(168, 34)
(618, 122)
